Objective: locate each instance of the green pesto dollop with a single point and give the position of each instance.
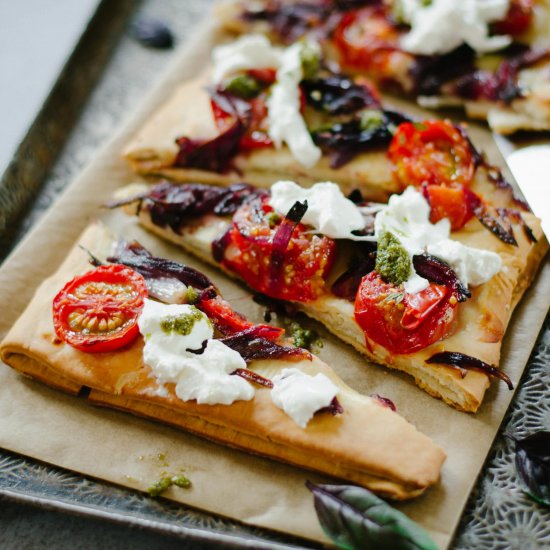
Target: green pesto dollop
(244, 86)
(158, 487)
(392, 261)
(311, 61)
(371, 119)
(303, 337)
(182, 324)
(192, 295)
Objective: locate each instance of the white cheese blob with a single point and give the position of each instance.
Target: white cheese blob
(442, 25)
(284, 120)
(328, 210)
(407, 217)
(205, 377)
(167, 290)
(252, 51)
(301, 395)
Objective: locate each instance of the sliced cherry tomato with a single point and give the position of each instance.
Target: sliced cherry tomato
(229, 321)
(518, 18)
(432, 152)
(367, 39)
(265, 76)
(306, 262)
(98, 311)
(401, 322)
(256, 135)
(448, 202)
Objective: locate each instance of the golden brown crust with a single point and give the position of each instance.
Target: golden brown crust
(153, 151)
(481, 321)
(367, 444)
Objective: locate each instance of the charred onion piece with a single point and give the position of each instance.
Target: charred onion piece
(490, 218)
(251, 344)
(333, 408)
(281, 239)
(141, 260)
(516, 217)
(347, 284)
(439, 272)
(217, 154)
(385, 402)
(466, 362)
(252, 376)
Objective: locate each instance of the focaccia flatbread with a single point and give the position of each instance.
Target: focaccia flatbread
(153, 151)
(367, 444)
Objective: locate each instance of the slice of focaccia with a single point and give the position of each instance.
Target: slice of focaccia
(467, 335)
(154, 151)
(355, 437)
(509, 86)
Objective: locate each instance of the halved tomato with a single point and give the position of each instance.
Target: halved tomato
(448, 202)
(367, 39)
(517, 20)
(306, 259)
(433, 152)
(98, 311)
(401, 322)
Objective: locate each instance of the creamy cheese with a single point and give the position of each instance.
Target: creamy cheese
(440, 26)
(284, 120)
(301, 395)
(167, 290)
(170, 331)
(407, 217)
(252, 51)
(328, 210)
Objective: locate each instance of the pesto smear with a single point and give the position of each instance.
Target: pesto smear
(392, 261)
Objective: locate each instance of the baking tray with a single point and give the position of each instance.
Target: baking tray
(26, 480)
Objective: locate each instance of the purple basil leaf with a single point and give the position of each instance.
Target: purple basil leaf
(466, 362)
(353, 517)
(338, 95)
(533, 465)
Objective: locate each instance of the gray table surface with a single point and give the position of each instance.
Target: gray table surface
(498, 514)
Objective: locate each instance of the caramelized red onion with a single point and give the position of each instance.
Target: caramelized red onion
(141, 260)
(466, 362)
(439, 272)
(385, 402)
(333, 408)
(254, 377)
(252, 345)
(347, 284)
(217, 154)
(516, 217)
(281, 240)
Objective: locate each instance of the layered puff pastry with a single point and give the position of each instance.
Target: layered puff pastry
(367, 443)
(480, 323)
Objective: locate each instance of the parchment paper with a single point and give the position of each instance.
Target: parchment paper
(66, 431)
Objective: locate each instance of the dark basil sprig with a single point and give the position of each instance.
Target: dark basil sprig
(533, 465)
(354, 517)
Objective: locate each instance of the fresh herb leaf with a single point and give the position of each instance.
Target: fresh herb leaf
(353, 517)
(533, 465)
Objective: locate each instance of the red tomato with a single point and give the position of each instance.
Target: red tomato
(517, 20)
(98, 311)
(256, 135)
(265, 76)
(306, 262)
(432, 152)
(403, 323)
(367, 39)
(448, 202)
